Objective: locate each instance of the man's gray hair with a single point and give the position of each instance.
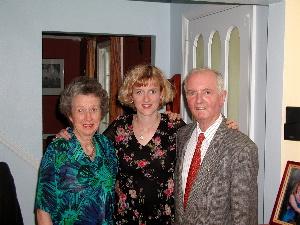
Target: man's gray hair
(219, 76)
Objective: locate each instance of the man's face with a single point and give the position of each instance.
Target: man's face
(204, 99)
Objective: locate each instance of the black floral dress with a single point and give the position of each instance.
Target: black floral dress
(145, 180)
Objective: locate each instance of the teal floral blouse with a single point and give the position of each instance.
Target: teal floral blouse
(145, 179)
(72, 188)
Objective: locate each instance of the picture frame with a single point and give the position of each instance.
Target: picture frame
(289, 190)
(52, 76)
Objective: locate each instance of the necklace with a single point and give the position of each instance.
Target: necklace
(89, 146)
(142, 131)
(91, 155)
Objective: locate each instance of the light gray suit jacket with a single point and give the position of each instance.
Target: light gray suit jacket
(225, 190)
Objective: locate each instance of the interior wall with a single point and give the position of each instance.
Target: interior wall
(274, 105)
(290, 149)
(136, 50)
(21, 27)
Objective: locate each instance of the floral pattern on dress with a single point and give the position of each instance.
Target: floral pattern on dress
(145, 180)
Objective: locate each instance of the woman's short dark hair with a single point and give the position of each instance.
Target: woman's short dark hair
(83, 85)
(140, 75)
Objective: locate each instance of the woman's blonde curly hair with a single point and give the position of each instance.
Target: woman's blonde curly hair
(141, 75)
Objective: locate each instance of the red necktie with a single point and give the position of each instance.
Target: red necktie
(194, 168)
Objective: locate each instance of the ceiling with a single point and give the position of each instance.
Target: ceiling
(251, 2)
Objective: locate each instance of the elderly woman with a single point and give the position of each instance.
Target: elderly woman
(76, 182)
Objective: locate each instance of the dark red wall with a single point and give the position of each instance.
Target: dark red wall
(69, 50)
(137, 50)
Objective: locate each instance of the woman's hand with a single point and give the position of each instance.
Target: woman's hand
(173, 116)
(43, 218)
(63, 134)
(232, 124)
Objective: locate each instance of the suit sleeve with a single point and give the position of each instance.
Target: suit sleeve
(244, 186)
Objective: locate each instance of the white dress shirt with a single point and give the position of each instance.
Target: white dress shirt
(209, 134)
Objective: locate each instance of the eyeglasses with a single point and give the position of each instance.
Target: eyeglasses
(193, 93)
(82, 111)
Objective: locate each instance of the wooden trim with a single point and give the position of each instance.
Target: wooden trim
(174, 106)
(115, 108)
(90, 57)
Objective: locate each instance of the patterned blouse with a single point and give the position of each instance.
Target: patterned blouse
(72, 188)
(145, 179)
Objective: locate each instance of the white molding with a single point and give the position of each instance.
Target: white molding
(243, 2)
(26, 156)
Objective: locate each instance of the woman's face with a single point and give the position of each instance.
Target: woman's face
(147, 98)
(85, 115)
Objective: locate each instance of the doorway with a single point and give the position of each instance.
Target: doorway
(105, 57)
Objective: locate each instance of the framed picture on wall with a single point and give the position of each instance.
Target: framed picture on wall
(288, 197)
(53, 76)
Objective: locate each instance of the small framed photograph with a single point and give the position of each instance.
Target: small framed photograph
(286, 210)
(53, 76)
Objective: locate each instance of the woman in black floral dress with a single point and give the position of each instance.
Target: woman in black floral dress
(146, 148)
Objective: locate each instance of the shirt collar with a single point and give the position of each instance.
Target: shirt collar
(212, 129)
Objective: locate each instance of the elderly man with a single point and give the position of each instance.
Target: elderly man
(217, 166)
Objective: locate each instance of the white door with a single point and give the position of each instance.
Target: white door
(215, 31)
(226, 40)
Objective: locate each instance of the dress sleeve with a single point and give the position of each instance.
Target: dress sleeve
(46, 186)
(179, 123)
(110, 131)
